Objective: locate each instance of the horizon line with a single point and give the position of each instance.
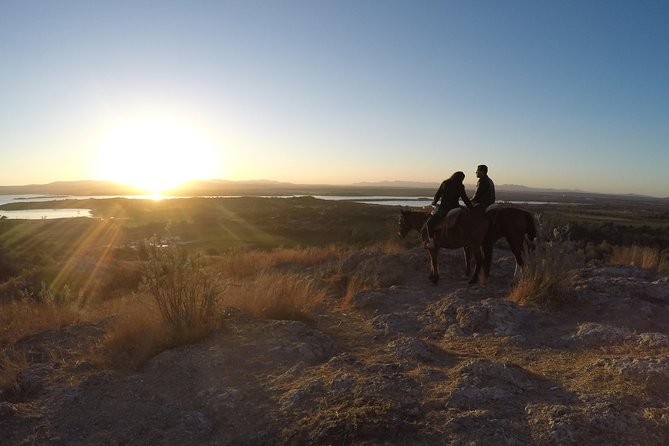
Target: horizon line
(382, 183)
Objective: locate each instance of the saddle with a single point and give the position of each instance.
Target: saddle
(449, 221)
(493, 207)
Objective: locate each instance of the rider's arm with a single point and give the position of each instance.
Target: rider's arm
(437, 196)
(465, 198)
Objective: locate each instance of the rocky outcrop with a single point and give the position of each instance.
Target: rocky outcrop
(406, 363)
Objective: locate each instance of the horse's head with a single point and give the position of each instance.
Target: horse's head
(403, 226)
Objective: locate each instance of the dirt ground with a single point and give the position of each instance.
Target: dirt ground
(405, 365)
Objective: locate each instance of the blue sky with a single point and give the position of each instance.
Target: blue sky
(556, 94)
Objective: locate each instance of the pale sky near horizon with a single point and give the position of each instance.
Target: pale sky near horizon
(551, 94)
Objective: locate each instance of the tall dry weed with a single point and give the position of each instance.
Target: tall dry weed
(641, 256)
(274, 295)
(544, 280)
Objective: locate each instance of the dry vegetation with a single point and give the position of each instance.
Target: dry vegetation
(180, 301)
(644, 257)
(137, 333)
(544, 280)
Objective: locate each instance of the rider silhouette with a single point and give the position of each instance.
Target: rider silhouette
(485, 189)
(450, 192)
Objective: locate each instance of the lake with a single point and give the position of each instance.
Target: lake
(47, 213)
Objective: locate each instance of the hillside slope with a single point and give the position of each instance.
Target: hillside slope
(409, 364)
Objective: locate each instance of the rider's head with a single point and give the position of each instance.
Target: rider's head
(481, 170)
(458, 177)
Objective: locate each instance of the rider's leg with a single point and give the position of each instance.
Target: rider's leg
(431, 224)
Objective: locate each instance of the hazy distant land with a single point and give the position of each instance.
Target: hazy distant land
(275, 188)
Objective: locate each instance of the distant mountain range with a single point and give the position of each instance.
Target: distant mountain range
(82, 187)
(424, 184)
(269, 187)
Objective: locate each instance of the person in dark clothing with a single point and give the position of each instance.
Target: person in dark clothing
(485, 189)
(450, 192)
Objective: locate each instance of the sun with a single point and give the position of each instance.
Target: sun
(156, 154)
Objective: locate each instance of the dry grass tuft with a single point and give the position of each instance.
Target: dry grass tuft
(390, 246)
(25, 317)
(302, 256)
(274, 295)
(138, 334)
(544, 281)
(237, 265)
(641, 256)
(11, 364)
(358, 284)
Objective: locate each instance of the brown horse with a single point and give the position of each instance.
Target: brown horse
(468, 231)
(513, 224)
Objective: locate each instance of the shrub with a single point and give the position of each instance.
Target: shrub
(187, 295)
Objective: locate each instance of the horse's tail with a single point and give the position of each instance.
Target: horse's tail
(531, 231)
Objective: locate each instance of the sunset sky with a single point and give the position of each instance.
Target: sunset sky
(551, 94)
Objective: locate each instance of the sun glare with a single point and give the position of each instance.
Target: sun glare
(156, 155)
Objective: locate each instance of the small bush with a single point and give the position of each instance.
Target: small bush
(187, 295)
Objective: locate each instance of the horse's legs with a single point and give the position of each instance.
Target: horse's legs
(517, 249)
(434, 265)
(487, 257)
(476, 249)
(468, 260)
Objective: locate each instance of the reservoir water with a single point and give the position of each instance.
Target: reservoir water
(49, 213)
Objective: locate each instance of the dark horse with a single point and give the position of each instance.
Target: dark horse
(468, 232)
(515, 225)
